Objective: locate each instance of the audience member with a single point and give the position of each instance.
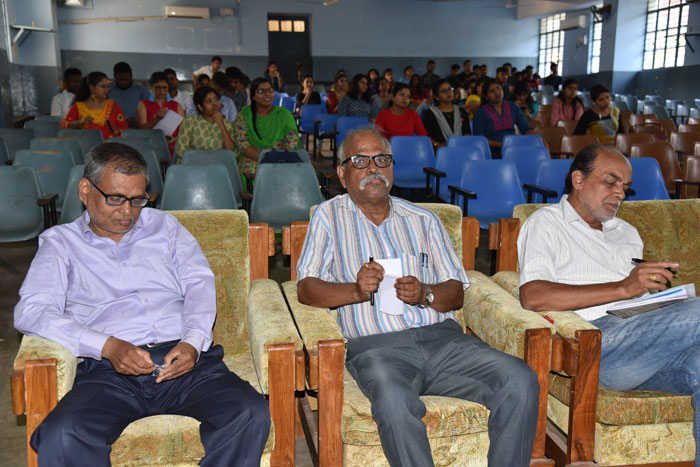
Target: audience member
(399, 119)
(407, 75)
(183, 98)
(338, 91)
(554, 79)
(423, 106)
(273, 75)
(388, 75)
(522, 96)
(93, 110)
(418, 92)
(237, 88)
(452, 78)
(381, 99)
(446, 119)
(576, 255)
(190, 107)
(202, 80)
(307, 95)
(61, 102)
(466, 71)
(208, 129)
(208, 70)
(603, 120)
(220, 83)
(496, 117)
(530, 78)
(567, 105)
(260, 126)
(358, 102)
(128, 290)
(474, 98)
(152, 110)
(373, 78)
(423, 350)
(429, 78)
(484, 70)
(126, 93)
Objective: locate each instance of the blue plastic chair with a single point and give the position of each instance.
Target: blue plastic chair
(71, 145)
(551, 174)
(647, 180)
(478, 141)
(145, 147)
(4, 152)
(277, 100)
(52, 167)
(521, 140)
(16, 139)
(22, 218)
(89, 138)
(197, 187)
(497, 188)
(411, 155)
(347, 124)
(655, 98)
(450, 161)
(284, 193)
(157, 137)
(526, 159)
(289, 103)
(43, 128)
(72, 206)
(49, 118)
(302, 153)
(225, 157)
(310, 113)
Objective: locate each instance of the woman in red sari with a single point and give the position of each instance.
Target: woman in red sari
(92, 109)
(152, 110)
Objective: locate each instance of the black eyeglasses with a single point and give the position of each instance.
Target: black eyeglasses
(118, 200)
(362, 162)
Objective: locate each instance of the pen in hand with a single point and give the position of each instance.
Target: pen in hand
(371, 295)
(640, 261)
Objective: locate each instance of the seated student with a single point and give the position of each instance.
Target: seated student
(92, 109)
(502, 78)
(381, 99)
(445, 119)
(452, 77)
(475, 87)
(181, 97)
(397, 358)
(466, 71)
(567, 105)
(554, 79)
(202, 82)
(358, 102)
(61, 102)
(373, 80)
(418, 92)
(576, 255)
(603, 120)
(522, 96)
(209, 129)
(152, 110)
(208, 70)
(338, 91)
(496, 117)
(220, 83)
(399, 119)
(407, 75)
(272, 74)
(260, 126)
(307, 95)
(429, 78)
(127, 289)
(126, 93)
(237, 87)
(388, 75)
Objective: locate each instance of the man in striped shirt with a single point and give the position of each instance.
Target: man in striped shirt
(422, 350)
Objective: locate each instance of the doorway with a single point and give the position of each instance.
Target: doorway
(289, 46)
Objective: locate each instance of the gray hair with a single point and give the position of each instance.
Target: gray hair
(122, 158)
(352, 134)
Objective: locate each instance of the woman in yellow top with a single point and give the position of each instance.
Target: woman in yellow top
(473, 101)
(92, 109)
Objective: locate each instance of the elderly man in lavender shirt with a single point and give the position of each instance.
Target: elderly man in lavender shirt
(129, 290)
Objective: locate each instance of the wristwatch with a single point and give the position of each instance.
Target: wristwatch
(429, 297)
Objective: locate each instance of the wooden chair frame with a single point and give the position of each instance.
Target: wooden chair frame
(578, 357)
(326, 363)
(34, 389)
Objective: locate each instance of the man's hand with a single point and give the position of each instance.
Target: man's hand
(177, 362)
(126, 358)
(410, 290)
(369, 277)
(648, 275)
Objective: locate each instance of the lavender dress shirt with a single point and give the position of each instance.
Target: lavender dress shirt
(155, 285)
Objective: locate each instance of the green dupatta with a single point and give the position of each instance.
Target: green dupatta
(272, 129)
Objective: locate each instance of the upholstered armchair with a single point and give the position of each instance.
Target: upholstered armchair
(253, 325)
(588, 423)
(457, 429)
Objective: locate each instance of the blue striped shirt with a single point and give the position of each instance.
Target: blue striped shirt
(341, 239)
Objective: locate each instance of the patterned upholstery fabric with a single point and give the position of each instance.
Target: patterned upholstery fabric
(173, 440)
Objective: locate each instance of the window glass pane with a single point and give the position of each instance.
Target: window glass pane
(595, 66)
(660, 40)
(684, 16)
(663, 19)
(273, 25)
(651, 22)
(299, 26)
(673, 17)
(659, 58)
(648, 60)
(653, 5)
(663, 3)
(681, 56)
(670, 57)
(286, 25)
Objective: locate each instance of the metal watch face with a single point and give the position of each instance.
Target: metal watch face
(429, 298)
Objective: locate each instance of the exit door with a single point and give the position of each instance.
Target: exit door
(289, 45)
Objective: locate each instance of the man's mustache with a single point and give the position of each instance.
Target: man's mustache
(372, 177)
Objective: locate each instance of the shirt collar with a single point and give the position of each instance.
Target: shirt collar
(571, 215)
(395, 208)
(84, 222)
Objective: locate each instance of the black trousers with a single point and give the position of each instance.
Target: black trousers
(80, 430)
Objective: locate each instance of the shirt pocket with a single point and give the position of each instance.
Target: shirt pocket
(418, 267)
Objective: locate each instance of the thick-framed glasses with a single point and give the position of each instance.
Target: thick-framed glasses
(118, 200)
(262, 91)
(446, 90)
(362, 162)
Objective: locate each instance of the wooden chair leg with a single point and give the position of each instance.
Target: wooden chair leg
(281, 388)
(41, 397)
(538, 354)
(331, 359)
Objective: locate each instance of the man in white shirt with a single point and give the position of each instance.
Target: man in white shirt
(61, 102)
(208, 70)
(578, 256)
(183, 98)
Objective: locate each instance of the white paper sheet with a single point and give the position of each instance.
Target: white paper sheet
(389, 303)
(169, 123)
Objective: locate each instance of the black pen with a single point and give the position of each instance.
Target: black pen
(371, 295)
(640, 261)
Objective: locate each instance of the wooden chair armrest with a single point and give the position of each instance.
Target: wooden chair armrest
(503, 237)
(47, 199)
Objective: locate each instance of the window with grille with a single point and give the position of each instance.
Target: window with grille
(551, 44)
(596, 34)
(664, 41)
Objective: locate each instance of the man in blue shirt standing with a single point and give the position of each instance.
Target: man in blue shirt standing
(126, 93)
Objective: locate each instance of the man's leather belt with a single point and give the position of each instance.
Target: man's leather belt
(161, 344)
